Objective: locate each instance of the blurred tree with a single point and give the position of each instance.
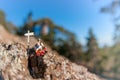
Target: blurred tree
(11, 27)
(92, 46)
(2, 18)
(55, 36)
(72, 50)
(113, 10)
(113, 56)
(117, 35)
(92, 53)
(8, 25)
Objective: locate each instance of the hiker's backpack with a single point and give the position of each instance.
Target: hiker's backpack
(40, 52)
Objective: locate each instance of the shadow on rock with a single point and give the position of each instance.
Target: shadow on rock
(36, 64)
(1, 77)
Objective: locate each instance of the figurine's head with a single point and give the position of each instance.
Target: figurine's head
(39, 40)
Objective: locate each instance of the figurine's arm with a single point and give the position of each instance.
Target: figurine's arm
(42, 44)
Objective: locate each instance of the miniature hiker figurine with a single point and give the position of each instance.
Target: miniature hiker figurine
(36, 63)
(40, 49)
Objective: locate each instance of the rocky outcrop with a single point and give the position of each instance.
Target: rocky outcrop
(13, 65)
(14, 62)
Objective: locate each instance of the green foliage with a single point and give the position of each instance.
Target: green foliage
(117, 34)
(11, 28)
(92, 56)
(110, 58)
(2, 18)
(8, 25)
(113, 56)
(57, 37)
(72, 50)
(92, 46)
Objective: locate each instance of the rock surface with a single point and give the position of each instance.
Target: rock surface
(14, 62)
(13, 65)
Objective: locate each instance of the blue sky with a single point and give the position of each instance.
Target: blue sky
(75, 15)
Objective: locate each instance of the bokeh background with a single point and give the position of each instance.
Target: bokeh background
(87, 32)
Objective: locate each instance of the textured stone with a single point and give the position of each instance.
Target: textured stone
(13, 65)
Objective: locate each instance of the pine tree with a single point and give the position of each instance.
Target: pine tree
(92, 46)
(117, 35)
(92, 53)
